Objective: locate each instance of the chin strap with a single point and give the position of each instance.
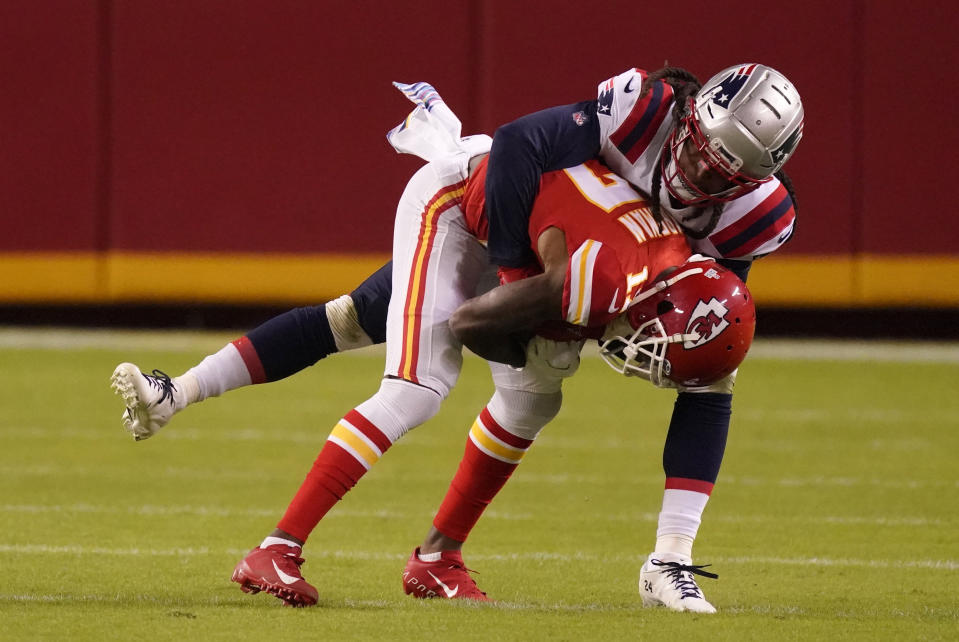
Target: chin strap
(659, 286)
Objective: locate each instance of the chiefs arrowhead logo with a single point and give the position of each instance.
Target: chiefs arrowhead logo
(708, 320)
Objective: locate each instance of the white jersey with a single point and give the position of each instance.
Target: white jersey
(633, 132)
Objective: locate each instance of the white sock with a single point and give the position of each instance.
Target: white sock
(679, 521)
(680, 544)
(271, 540)
(225, 370)
(430, 557)
(188, 390)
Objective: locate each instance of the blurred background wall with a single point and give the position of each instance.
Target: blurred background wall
(233, 151)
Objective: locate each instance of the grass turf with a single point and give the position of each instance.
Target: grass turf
(835, 515)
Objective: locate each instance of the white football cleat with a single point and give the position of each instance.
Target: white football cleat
(151, 400)
(666, 579)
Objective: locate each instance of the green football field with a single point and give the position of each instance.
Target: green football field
(835, 516)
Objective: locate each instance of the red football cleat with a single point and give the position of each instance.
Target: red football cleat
(276, 570)
(448, 578)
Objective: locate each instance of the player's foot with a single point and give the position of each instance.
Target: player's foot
(276, 570)
(666, 579)
(151, 400)
(448, 578)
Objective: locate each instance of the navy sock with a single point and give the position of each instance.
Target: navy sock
(299, 338)
(293, 341)
(697, 435)
(372, 300)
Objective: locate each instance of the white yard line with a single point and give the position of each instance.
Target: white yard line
(905, 351)
(778, 610)
(45, 549)
(341, 512)
(19, 338)
(552, 479)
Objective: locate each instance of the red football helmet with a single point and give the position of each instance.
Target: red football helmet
(692, 327)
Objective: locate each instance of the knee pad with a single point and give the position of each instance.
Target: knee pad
(524, 413)
(399, 406)
(345, 324)
(723, 386)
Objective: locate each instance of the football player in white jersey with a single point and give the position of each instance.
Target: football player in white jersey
(710, 158)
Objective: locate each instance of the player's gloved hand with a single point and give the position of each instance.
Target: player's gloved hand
(509, 275)
(553, 359)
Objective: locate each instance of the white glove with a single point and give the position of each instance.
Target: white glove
(553, 359)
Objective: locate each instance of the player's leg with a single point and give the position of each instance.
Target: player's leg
(692, 457)
(437, 266)
(278, 348)
(498, 439)
(356, 443)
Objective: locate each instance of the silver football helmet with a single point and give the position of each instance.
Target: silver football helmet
(746, 122)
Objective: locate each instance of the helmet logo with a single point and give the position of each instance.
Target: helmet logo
(708, 320)
(782, 152)
(731, 85)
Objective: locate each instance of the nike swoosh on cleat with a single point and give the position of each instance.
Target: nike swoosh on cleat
(450, 592)
(286, 579)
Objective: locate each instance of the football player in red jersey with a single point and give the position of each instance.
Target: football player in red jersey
(439, 264)
(703, 307)
(265, 354)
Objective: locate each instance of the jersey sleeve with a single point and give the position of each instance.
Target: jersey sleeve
(616, 98)
(753, 225)
(595, 289)
(522, 150)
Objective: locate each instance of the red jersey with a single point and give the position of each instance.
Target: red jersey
(615, 246)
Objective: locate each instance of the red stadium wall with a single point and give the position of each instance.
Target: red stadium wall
(236, 150)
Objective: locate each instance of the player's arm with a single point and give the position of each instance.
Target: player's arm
(522, 150)
(498, 324)
(739, 268)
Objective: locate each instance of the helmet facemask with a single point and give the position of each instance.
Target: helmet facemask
(643, 353)
(688, 136)
(692, 327)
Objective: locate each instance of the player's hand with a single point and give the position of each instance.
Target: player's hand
(511, 275)
(554, 359)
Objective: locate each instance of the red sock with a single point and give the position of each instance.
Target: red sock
(251, 359)
(351, 449)
(491, 456)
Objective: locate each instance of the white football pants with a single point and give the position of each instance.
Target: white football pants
(437, 265)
